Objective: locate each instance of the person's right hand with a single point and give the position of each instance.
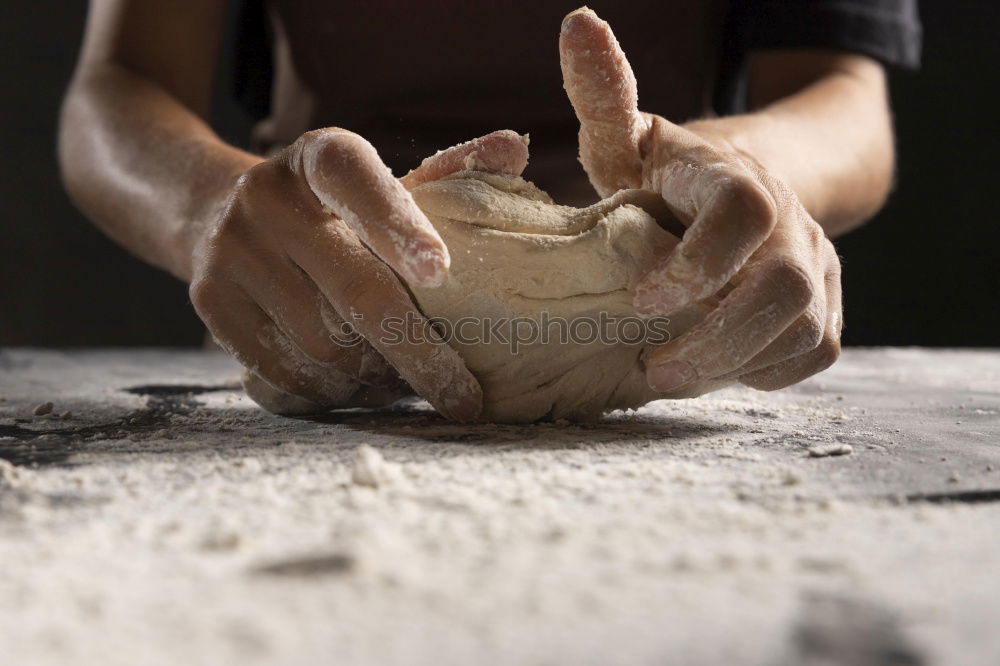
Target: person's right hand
(309, 240)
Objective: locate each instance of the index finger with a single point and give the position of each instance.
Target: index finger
(346, 175)
(365, 291)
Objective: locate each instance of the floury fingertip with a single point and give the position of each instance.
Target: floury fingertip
(582, 11)
(427, 266)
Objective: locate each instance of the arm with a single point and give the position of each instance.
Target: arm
(821, 123)
(136, 153)
(279, 253)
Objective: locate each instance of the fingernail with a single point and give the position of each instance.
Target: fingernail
(659, 300)
(429, 266)
(671, 375)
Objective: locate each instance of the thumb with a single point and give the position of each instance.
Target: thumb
(504, 151)
(602, 89)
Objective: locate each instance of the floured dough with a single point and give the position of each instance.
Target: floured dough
(516, 255)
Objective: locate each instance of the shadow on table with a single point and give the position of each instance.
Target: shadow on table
(411, 420)
(33, 442)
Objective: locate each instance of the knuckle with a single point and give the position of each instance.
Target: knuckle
(793, 279)
(795, 370)
(834, 267)
(205, 296)
(226, 244)
(754, 207)
(810, 333)
(324, 134)
(333, 147)
(229, 224)
(826, 353)
(259, 205)
(817, 237)
(254, 180)
(258, 193)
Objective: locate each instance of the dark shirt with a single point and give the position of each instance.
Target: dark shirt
(415, 77)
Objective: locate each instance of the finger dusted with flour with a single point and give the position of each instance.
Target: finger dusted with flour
(504, 151)
(346, 175)
(318, 240)
(604, 94)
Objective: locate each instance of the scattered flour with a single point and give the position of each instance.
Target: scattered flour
(369, 467)
(827, 450)
(689, 532)
(12, 476)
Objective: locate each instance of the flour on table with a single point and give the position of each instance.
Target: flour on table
(368, 467)
(827, 450)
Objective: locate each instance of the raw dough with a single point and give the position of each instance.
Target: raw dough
(515, 255)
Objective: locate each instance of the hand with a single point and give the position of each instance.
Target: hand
(746, 233)
(309, 239)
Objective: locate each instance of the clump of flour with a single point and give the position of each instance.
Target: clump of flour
(370, 468)
(12, 476)
(827, 450)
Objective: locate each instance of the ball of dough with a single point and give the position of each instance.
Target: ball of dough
(519, 258)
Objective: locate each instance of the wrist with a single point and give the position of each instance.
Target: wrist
(760, 140)
(732, 134)
(208, 196)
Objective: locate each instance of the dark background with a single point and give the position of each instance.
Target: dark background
(921, 273)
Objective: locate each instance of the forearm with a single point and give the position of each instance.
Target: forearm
(830, 140)
(143, 167)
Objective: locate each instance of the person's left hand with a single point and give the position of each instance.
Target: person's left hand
(747, 231)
